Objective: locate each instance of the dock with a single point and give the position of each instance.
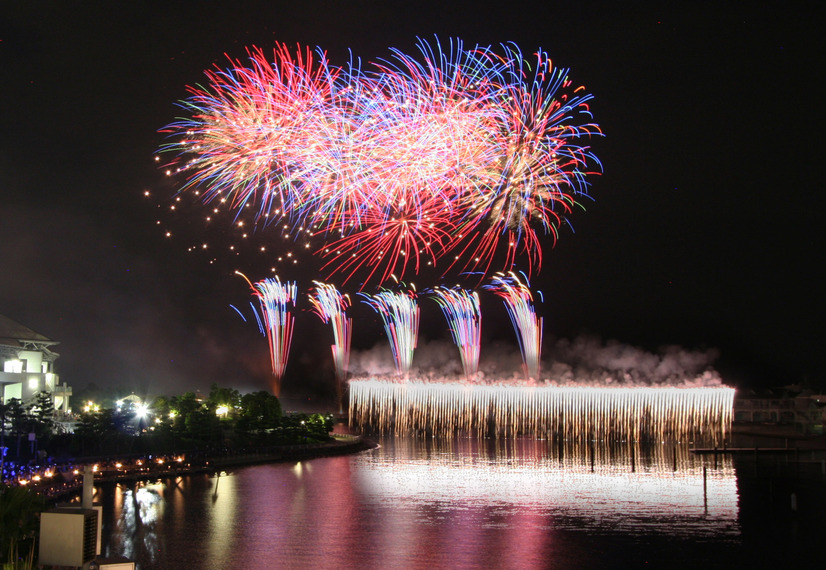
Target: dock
(735, 450)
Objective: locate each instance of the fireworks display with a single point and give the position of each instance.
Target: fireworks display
(564, 413)
(276, 299)
(459, 159)
(400, 314)
(461, 309)
(456, 157)
(330, 305)
(518, 301)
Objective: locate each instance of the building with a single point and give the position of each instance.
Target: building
(28, 365)
(802, 415)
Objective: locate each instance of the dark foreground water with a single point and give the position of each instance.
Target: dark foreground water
(418, 503)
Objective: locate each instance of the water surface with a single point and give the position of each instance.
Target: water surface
(421, 503)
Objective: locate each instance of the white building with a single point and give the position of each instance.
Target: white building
(28, 365)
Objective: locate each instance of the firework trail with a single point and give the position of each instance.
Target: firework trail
(461, 309)
(275, 299)
(458, 154)
(518, 301)
(330, 305)
(400, 314)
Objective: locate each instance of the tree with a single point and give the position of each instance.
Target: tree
(183, 406)
(161, 406)
(19, 520)
(41, 411)
(96, 430)
(18, 420)
(259, 411)
(4, 411)
(203, 425)
(228, 397)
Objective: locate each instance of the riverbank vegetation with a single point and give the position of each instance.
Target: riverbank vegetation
(225, 419)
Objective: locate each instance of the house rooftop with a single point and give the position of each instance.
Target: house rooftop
(13, 333)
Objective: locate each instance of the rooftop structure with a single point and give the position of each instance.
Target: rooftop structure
(28, 365)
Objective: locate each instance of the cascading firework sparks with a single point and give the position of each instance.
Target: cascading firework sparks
(276, 299)
(461, 309)
(400, 314)
(458, 154)
(519, 304)
(330, 305)
(650, 414)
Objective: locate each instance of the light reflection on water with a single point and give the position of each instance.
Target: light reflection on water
(608, 493)
(423, 503)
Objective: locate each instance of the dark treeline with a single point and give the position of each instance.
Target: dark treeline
(224, 419)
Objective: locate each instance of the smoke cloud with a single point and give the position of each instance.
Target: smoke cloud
(585, 360)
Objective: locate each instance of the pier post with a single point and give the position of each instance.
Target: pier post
(705, 488)
(88, 487)
(633, 461)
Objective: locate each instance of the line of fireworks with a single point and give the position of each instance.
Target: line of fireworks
(330, 305)
(458, 154)
(461, 309)
(275, 299)
(400, 314)
(652, 414)
(518, 301)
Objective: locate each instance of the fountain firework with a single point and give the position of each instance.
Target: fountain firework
(330, 305)
(400, 314)
(519, 304)
(649, 414)
(275, 299)
(461, 309)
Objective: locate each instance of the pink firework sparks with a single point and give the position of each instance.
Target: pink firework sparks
(276, 300)
(330, 305)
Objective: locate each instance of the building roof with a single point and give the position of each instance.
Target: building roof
(13, 333)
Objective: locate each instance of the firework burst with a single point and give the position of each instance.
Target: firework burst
(276, 299)
(518, 300)
(459, 155)
(400, 314)
(461, 309)
(330, 305)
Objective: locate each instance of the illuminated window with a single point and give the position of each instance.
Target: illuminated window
(14, 366)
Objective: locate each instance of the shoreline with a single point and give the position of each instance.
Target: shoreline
(198, 463)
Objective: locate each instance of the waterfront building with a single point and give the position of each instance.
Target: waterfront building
(27, 359)
(798, 415)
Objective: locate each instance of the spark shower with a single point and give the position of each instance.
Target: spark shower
(561, 413)
(460, 158)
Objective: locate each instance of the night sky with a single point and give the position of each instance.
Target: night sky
(703, 231)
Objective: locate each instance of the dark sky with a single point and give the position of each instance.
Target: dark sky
(704, 231)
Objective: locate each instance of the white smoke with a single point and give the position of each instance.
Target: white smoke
(585, 360)
(589, 359)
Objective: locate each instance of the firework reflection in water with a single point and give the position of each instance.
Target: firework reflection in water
(627, 487)
(578, 413)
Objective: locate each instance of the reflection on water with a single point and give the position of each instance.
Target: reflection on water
(428, 503)
(623, 489)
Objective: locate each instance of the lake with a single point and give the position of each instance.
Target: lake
(470, 503)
